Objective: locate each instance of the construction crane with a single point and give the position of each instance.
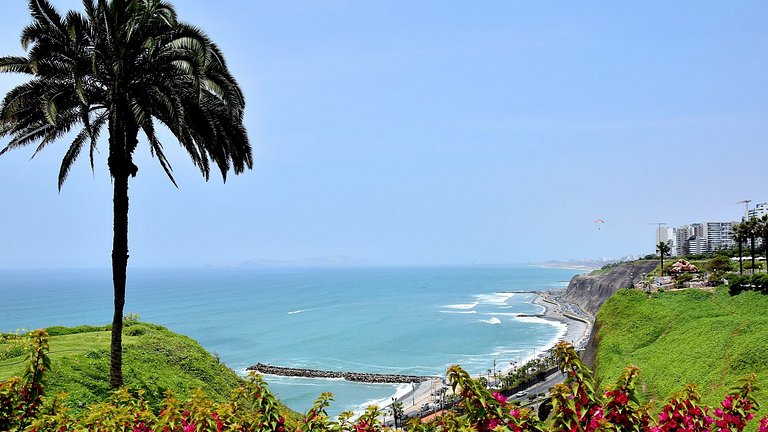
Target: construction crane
(746, 207)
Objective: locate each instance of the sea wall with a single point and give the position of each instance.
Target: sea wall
(349, 376)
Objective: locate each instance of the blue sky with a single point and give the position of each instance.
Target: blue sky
(407, 133)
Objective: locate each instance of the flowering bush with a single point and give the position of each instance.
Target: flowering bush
(577, 405)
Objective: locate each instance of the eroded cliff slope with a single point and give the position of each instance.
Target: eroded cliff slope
(590, 291)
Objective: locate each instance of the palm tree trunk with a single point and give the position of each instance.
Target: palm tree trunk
(752, 251)
(119, 266)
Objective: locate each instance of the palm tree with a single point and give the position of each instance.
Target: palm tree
(739, 234)
(124, 65)
(397, 411)
(662, 248)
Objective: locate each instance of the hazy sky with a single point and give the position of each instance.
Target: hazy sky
(410, 132)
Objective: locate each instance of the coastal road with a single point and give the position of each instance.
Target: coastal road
(542, 387)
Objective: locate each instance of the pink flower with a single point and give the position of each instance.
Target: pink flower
(728, 402)
(763, 425)
(500, 398)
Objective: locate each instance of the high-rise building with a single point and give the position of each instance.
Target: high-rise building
(698, 229)
(682, 234)
(759, 211)
(667, 235)
(697, 244)
(719, 235)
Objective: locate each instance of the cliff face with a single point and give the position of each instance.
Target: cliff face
(589, 292)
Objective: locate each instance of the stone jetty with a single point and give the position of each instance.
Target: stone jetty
(349, 376)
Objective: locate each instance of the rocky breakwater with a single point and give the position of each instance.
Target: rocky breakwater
(590, 291)
(349, 376)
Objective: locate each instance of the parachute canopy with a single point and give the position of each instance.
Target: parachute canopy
(599, 223)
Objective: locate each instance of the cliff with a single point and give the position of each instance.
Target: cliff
(589, 291)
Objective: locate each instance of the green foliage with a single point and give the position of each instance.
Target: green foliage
(155, 360)
(576, 405)
(61, 331)
(692, 336)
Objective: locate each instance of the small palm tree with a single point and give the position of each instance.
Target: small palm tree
(125, 65)
(663, 249)
(397, 411)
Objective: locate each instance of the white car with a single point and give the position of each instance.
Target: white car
(521, 394)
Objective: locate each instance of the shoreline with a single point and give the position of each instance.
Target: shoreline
(578, 328)
(578, 323)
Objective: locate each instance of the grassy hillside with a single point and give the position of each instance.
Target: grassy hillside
(154, 359)
(691, 336)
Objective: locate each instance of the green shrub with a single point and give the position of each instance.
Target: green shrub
(61, 330)
(760, 281)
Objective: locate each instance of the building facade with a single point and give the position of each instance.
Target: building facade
(719, 236)
(759, 211)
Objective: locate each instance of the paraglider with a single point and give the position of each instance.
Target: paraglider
(599, 223)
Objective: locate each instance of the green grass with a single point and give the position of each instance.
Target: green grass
(710, 339)
(154, 359)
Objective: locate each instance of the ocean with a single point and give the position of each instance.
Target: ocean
(404, 320)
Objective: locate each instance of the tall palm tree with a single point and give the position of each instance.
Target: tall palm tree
(739, 234)
(124, 65)
(662, 248)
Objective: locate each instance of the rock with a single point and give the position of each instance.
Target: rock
(349, 376)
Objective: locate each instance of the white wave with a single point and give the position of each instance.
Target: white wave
(462, 306)
(296, 312)
(493, 320)
(506, 314)
(500, 352)
(400, 391)
(497, 299)
(459, 312)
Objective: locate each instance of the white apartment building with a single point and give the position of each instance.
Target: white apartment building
(759, 211)
(668, 236)
(697, 244)
(719, 235)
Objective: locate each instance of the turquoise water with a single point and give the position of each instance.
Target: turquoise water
(387, 320)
